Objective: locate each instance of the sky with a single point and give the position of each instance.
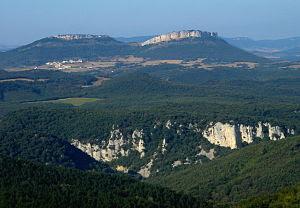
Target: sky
(23, 21)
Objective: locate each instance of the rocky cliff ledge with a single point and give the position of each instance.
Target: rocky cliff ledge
(77, 36)
(116, 146)
(178, 35)
(157, 143)
(232, 135)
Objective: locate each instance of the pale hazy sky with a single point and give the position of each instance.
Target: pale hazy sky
(22, 21)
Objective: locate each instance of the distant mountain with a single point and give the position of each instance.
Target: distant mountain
(174, 36)
(276, 49)
(193, 45)
(63, 47)
(292, 54)
(4, 48)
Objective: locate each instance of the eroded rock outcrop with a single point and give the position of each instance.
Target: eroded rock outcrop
(138, 143)
(117, 146)
(145, 171)
(107, 152)
(169, 124)
(77, 36)
(225, 135)
(122, 142)
(209, 154)
(178, 35)
(177, 163)
(233, 135)
(275, 132)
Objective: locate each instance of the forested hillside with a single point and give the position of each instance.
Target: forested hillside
(287, 197)
(24, 184)
(214, 122)
(255, 170)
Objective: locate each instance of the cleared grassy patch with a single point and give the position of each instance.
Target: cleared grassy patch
(74, 101)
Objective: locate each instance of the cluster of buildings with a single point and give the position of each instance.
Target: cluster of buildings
(62, 65)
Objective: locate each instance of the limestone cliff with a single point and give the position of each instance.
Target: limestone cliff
(220, 134)
(145, 170)
(161, 140)
(232, 135)
(107, 151)
(115, 147)
(77, 36)
(138, 142)
(178, 35)
(209, 154)
(164, 146)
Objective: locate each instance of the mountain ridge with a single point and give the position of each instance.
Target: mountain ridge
(185, 45)
(178, 35)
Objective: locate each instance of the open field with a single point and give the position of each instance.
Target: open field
(113, 63)
(72, 101)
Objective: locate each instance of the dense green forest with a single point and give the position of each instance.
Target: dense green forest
(36, 133)
(137, 100)
(169, 105)
(275, 98)
(24, 184)
(255, 170)
(287, 197)
(45, 149)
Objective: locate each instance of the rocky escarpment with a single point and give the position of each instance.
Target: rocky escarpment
(233, 135)
(168, 144)
(116, 146)
(178, 35)
(107, 151)
(77, 36)
(210, 154)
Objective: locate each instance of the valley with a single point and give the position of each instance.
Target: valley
(185, 114)
(116, 64)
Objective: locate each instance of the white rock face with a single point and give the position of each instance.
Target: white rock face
(259, 131)
(247, 133)
(232, 135)
(210, 154)
(291, 131)
(224, 135)
(187, 161)
(177, 36)
(138, 143)
(164, 146)
(92, 150)
(115, 147)
(168, 124)
(137, 134)
(77, 36)
(275, 132)
(121, 168)
(177, 163)
(106, 152)
(145, 171)
(229, 134)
